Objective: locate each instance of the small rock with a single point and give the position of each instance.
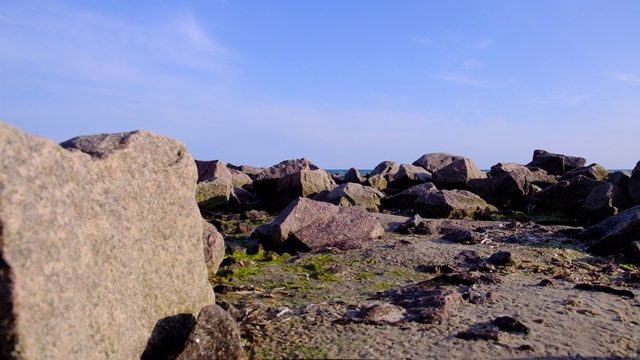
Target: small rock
(467, 256)
(605, 289)
(509, 324)
(501, 258)
(545, 282)
(480, 333)
(463, 236)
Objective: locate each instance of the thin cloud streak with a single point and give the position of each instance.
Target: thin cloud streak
(465, 80)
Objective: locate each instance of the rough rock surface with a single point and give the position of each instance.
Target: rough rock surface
(568, 194)
(507, 190)
(98, 244)
(216, 335)
(404, 200)
(615, 234)
(532, 174)
(265, 183)
(457, 174)
(634, 184)
(213, 243)
(310, 225)
(603, 201)
(433, 162)
(214, 192)
(353, 176)
(555, 164)
(382, 175)
(238, 178)
(208, 170)
(593, 171)
(452, 204)
(350, 194)
(410, 175)
(303, 183)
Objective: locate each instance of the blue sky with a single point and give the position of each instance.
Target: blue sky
(342, 83)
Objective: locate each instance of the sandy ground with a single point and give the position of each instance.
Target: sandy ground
(296, 308)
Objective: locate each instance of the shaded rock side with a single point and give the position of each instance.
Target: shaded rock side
(213, 243)
(593, 171)
(98, 243)
(556, 164)
(410, 175)
(452, 204)
(351, 194)
(457, 174)
(216, 335)
(603, 201)
(310, 225)
(567, 194)
(507, 190)
(532, 174)
(382, 175)
(405, 199)
(353, 176)
(634, 184)
(614, 235)
(265, 183)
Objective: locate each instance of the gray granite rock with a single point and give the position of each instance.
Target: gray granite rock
(208, 170)
(452, 204)
(457, 174)
(433, 162)
(303, 183)
(351, 194)
(214, 192)
(213, 243)
(555, 164)
(99, 243)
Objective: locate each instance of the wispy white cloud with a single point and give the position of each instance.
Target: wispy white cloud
(462, 79)
(562, 99)
(482, 44)
(626, 77)
(421, 40)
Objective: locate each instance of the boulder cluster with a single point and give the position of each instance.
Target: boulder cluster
(552, 188)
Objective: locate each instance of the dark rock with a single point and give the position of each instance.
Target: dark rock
(507, 190)
(216, 335)
(621, 181)
(466, 278)
(423, 303)
(614, 234)
(509, 324)
(433, 162)
(254, 215)
(603, 201)
(452, 204)
(457, 174)
(310, 225)
(410, 175)
(239, 179)
(406, 198)
(235, 313)
(467, 256)
(303, 183)
(251, 171)
(634, 184)
(265, 183)
(593, 171)
(568, 194)
(463, 237)
(382, 175)
(351, 194)
(353, 176)
(533, 175)
(243, 199)
(501, 258)
(545, 282)
(605, 289)
(555, 164)
(378, 314)
(435, 269)
(480, 333)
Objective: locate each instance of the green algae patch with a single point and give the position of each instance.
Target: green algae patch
(321, 267)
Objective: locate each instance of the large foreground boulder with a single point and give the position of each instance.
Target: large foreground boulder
(452, 204)
(311, 225)
(615, 234)
(97, 244)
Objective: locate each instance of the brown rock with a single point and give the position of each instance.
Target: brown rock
(556, 164)
(423, 303)
(216, 335)
(603, 201)
(568, 194)
(452, 204)
(213, 243)
(614, 234)
(351, 194)
(208, 170)
(457, 174)
(593, 171)
(310, 225)
(507, 190)
(98, 243)
(405, 199)
(433, 162)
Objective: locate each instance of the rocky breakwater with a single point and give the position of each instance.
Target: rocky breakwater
(101, 249)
